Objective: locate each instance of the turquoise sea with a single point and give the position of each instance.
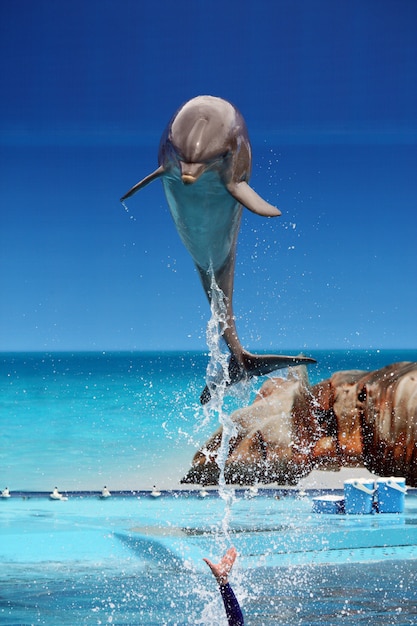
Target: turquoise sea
(80, 421)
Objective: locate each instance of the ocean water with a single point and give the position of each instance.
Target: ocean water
(130, 420)
(126, 420)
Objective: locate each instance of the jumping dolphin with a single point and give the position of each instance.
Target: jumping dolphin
(204, 164)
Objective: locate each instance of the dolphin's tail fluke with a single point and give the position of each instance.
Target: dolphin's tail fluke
(256, 365)
(261, 364)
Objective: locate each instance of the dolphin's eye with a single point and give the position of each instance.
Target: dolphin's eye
(220, 158)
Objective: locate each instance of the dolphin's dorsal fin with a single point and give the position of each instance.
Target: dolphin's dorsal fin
(246, 196)
(142, 183)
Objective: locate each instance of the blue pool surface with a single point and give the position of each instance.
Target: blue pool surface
(136, 559)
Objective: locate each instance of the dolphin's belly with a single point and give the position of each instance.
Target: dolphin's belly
(207, 217)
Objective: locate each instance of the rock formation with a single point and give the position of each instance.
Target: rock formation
(354, 418)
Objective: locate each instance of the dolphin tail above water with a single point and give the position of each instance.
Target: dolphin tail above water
(256, 365)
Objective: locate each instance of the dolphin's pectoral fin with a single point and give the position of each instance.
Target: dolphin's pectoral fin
(246, 196)
(256, 365)
(142, 183)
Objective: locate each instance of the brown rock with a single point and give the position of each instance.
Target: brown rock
(387, 401)
(275, 436)
(354, 418)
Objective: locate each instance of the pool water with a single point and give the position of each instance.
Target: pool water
(136, 559)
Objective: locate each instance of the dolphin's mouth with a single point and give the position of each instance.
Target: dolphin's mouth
(190, 172)
(188, 179)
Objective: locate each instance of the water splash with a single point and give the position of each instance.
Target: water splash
(126, 208)
(218, 380)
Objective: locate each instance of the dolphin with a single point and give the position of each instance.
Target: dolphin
(205, 164)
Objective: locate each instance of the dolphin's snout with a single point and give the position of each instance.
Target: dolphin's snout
(187, 179)
(190, 172)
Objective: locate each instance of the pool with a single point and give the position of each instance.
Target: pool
(137, 559)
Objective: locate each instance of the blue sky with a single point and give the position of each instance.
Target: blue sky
(329, 93)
